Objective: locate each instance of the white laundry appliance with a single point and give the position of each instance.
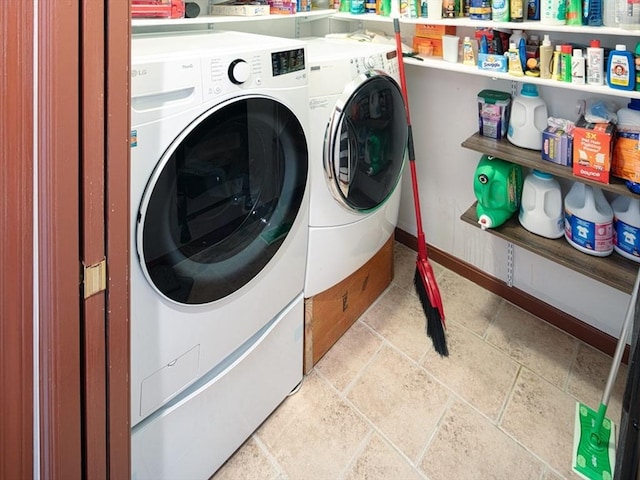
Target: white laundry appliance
(358, 142)
(219, 231)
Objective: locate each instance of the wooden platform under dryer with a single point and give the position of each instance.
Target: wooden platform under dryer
(329, 314)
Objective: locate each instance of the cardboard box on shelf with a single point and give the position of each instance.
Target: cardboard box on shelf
(434, 31)
(626, 155)
(282, 7)
(592, 150)
(557, 146)
(240, 8)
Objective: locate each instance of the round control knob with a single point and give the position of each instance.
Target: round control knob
(239, 71)
(371, 62)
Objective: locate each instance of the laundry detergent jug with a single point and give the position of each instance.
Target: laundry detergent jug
(626, 227)
(528, 118)
(497, 185)
(588, 220)
(541, 205)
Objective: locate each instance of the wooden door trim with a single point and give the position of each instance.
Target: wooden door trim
(58, 239)
(117, 187)
(16, 242)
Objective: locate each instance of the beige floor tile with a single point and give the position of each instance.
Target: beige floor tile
(379, 461)
(533, 343)
(248, 462)
(551, 475)
(401, 399)
(475, 370)
(468, 446)
(404, 266)
(467, 303)
(349, 355)
(541, 417)
(313, 435)
(398, 316)
(589, 376)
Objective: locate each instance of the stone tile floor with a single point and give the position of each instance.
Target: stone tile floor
(382, 404)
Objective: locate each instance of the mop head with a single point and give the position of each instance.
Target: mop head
(593, 460)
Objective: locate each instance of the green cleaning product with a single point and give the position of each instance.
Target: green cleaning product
(497, 185)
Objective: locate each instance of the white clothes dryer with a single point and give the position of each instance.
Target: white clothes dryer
(358, 142)
(219, 230)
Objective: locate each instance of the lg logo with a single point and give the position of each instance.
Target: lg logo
(138, 72)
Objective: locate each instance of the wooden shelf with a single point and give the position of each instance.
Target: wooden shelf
(615, 270)
(531, 159)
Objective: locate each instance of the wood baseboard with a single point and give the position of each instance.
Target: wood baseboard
(579, 329)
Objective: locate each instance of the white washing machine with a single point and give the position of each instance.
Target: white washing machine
(219, 226)
(358, 142)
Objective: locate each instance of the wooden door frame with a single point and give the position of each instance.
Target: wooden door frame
(67, 421)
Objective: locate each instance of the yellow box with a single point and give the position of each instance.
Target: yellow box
(424, 45)
(592, 150)
(626, 155)
(434, 31)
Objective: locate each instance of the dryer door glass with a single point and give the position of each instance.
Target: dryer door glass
(366, 143)
(222, 200)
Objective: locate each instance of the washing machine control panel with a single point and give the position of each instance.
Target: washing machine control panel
(378, 61)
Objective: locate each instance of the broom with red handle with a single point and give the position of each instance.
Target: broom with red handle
(424, 278)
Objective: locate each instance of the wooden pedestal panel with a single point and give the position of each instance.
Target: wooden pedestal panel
(330, 313)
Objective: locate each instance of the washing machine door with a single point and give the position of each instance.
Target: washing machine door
(222, 200)
(365, 142)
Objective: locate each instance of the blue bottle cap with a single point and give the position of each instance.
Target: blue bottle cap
(529, 90)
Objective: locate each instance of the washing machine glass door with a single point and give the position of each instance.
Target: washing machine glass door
(365, 142)
(222, 200)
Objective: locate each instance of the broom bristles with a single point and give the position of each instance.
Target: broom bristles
(435, 326)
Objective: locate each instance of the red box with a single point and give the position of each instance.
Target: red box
(593, 150)
(434, 31)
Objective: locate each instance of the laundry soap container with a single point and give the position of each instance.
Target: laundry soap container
(626, 227)
(497, 185)
(588, 220)
(541, 205)
(528, 118)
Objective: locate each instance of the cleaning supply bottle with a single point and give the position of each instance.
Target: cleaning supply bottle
(574, 12)
(514, 66)
(588, 220)
(595, 63)
(577, 67)
(468, 52)
(497, 185)
(528, 118)
(517, 11)
(628, 14)
(621, 69)
(500, 11)
(609, 17)
(637, 62)
(533, 9)
(541, 205)
(626, 227)
(556, 64)
(553, 12)
(592, 13)
(516, 36)
(546, 57)
(565, 59)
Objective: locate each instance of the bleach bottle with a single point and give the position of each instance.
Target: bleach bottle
(626, 227)
(588, 220)
(497, 185)
(541, 205)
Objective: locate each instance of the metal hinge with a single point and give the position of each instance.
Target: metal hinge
(94, 278)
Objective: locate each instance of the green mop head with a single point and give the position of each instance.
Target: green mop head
(594, 443)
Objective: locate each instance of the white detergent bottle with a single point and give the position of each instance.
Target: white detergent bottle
(541, 205)
(588, 220)
(528, 118)
(626, 227)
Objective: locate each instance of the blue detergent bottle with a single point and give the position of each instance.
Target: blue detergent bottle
(592, 13)
(621, 72)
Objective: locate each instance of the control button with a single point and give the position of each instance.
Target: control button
(371, 62)
(239, 71)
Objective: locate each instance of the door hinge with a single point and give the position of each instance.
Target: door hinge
(94, 278)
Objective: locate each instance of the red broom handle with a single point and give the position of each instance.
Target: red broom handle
(422, 244)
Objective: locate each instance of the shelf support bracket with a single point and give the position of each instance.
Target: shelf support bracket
(510, 264)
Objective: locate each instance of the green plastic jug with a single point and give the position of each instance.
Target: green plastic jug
(497, 185)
